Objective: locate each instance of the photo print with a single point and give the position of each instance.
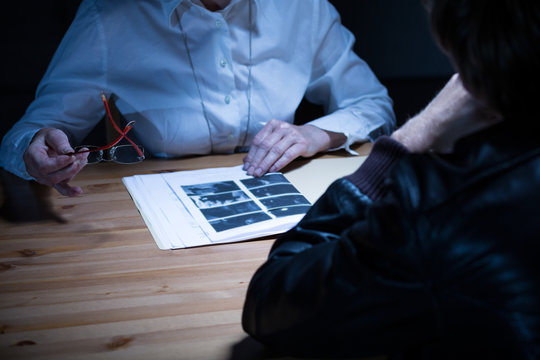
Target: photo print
(278, 195)
(225, 205)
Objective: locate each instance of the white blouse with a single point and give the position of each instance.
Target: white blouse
(136, 50)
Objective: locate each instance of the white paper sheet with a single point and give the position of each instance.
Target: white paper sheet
(202, 207)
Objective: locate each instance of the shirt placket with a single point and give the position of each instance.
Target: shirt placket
(225, 106)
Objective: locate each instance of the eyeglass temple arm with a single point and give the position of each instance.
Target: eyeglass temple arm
(126, 129)
(116, 141)
(123, 133)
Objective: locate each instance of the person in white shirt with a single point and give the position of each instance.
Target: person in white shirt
(200, 77)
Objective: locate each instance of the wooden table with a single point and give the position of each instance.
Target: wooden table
(82, 278)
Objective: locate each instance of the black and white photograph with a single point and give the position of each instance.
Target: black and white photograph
(267, 179)
(244, 207)
(272, 203)
(226, 206)
(208, 201)
(290, 210)
(273, 190)
(237, 221)
(210, 188)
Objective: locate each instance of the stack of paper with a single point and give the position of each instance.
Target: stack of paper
(202, 207)
(218, 205)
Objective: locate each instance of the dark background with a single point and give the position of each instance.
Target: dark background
(391, 35)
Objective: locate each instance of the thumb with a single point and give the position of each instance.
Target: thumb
(58, 141)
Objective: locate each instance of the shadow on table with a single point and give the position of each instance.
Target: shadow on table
(24, 201)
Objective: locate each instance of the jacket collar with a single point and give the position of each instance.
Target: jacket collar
(502, 142)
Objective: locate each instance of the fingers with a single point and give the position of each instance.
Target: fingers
(256, 148)
(57, 142)
(277, 144)
(65, 189)
(275, 157)
(64, 174)
(46, 161)
(268, 145)
(294, 151)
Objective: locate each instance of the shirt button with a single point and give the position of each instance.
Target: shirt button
(227, 99)
(218, 23)
(223, 62)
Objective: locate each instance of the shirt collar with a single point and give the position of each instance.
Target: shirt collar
(169, 7)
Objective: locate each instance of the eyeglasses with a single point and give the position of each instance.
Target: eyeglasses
(123, 154)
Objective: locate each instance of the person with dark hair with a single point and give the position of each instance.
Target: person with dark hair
(197, 77)
(429, 250)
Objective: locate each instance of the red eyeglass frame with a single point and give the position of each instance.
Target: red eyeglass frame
(122, 133)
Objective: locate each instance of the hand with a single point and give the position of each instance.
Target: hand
(47, 162)
(278, 143)
(451, 115)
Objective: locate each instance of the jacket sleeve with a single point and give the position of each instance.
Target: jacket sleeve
(336, 280)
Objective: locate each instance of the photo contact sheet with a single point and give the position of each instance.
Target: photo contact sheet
(230, 204)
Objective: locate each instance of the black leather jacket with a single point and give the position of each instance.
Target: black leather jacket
(441, 260)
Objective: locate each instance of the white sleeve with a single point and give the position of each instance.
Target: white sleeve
(356, 102)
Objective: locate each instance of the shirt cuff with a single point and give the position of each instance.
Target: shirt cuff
(347, 145)
(11, 154)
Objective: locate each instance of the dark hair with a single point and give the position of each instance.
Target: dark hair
(495, 46)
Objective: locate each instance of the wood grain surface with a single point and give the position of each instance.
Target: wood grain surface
(82, 278)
